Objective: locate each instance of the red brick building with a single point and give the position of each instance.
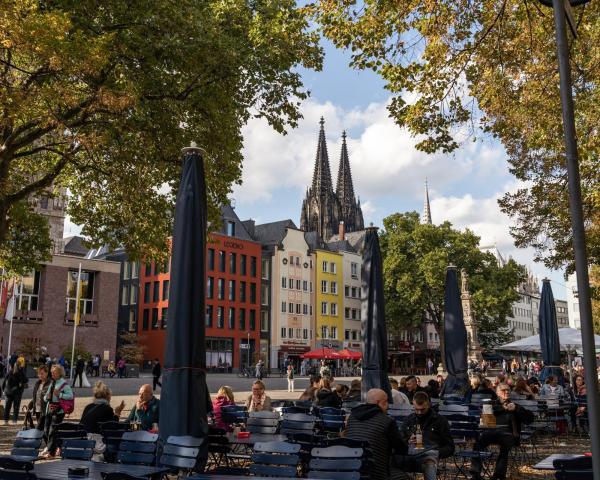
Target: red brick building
(233, 278)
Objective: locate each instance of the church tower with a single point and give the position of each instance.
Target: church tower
(426, 217)
(350, 208)
(321, 207)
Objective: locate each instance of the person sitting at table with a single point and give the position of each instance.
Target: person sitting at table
(578, 410)
(100, 411)
(509, 417)
(436, 438)
(341, 390)
(552, 388)
(311, 391)
(224, 397)
(521, 388)
(326, 397)
(433, 389)
(398, 398)
(146, 409)
(370, 423)
(258, 401)
(411, 387)
(485, 388)
(354, 394)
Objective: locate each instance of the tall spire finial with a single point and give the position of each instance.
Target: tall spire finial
(426, 218)
(322, 123)
(344, 136)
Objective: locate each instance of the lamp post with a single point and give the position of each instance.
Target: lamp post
(562, 14)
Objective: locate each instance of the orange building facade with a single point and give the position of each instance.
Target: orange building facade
(232, 320)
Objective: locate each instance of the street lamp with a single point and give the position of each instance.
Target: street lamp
(562, 15)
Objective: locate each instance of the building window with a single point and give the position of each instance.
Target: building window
(253, 293)
(283, 307)
(264, 321)
(147, 292)
(132, 322)
(298, 285)
(209, 316)
(354, 294)
(324, 331)
(165, 286)
(164, 314)
(242, 291)
(346, 334)
(334, 308)
(145, 319)
(86, 296)
(221, 289)
(264, 269)
(283, 282)
(333, 333)
(252, 320)
(291, 283)
(133, 295)
(305, 285)
(290, 307)
(242, 319)
(243, 264)
(232, 290)
(298, 306)
(334, 288)
(231, 229)
(346, 313)
(126, 270)
(253, 266)
(157, 268)
(211, 258)
(210, 287)
(354, 270)
(304, 309)
(232, 263)
(155, 319)
(231, 318)
(220, 319)
(354, 313)
(156, 292)
(167, 265)
(346, 290)
(323, 286)
(310, 310)
(135, 269)
(325, 264)
(354, 335)
(333, 267)
(221, 261)
(283, 332)
(298, 332)
(323, 308)
(290, 333)
(310, 283)
(305, 334)
(264, 295)
(125, 295)
(148, 269)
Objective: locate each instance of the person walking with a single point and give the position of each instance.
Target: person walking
(121, 367)
(59, 397)
(79, 369)
(259, 370)
(13, 386)
(37, 405)
(290, 377)
(156, 373)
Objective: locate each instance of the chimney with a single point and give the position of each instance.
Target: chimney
(342, 231)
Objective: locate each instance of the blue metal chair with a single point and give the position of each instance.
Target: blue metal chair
(234, 414)
(77, 449)
(138, 448)
(332, 423)
(112, 433)
(262, 425)
(296, 423)
(275, 459)
(337, 462)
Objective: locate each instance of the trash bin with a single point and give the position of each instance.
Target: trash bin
(132, 370)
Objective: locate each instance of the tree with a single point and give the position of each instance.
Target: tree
(131, 349)
(595, 284)
(99, 98)
(415, 259)
(459, 67)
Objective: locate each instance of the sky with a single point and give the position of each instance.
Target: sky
(388, 172)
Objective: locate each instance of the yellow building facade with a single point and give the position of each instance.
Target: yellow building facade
(329, 300)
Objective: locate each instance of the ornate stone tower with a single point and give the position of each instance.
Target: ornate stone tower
(321, 211)
(351, 211)
(469, 316)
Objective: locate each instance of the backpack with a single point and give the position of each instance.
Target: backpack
(67, 406)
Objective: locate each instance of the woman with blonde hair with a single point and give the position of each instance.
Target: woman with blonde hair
(258, 401)
(326, 397)
(224, 397)
(59, 396)
(100, 411)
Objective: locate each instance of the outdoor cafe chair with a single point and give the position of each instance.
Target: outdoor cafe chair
(77, 449)
(28, 443)
(138, 448)
(479, 398)
(112, 433)
(262, 425)
(294, 423)
(333, 423)
(275, 459)
(265, 414)
(336, 462)
(218, 446)
(234, 414)
(67, 430)
(329, 411)
(181, 454)
(295, 409)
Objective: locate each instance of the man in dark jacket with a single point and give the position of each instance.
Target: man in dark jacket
(436, 438)
(411, 387)
(79, 368)
(509, 418)
(371, 423)
(156, 373)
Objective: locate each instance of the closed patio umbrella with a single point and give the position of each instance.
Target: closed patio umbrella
(549, 339)
(184, 396)
(374, 332)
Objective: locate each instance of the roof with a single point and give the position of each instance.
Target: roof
(313, 240)
(356, 240)
(75, 246)
(273, 233)
(228, 215)
(341, 246)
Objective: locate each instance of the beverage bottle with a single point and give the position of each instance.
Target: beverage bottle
(419, 436)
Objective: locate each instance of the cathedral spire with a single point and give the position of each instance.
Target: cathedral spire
(426, 218)
(345, 187)
(322, 184)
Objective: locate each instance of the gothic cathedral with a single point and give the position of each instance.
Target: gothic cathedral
(323, 209)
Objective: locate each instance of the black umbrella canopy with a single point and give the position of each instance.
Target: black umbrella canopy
(549, 339)
(374, 332)
(455, 337)
(184, 394)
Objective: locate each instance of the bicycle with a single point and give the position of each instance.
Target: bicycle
(245, 373)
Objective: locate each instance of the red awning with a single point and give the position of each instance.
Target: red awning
(350, 354)
(325, 353)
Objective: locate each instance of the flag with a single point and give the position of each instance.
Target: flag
(78, 298)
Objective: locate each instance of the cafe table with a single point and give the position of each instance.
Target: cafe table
(255, 438)
(548, 462)
(59, 469)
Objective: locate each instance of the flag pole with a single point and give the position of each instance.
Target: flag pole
(75, 320)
